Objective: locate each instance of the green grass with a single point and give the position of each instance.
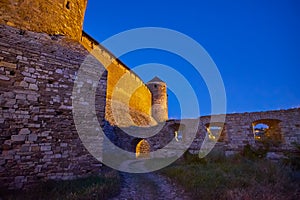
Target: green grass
(218, 177)
(93, 187)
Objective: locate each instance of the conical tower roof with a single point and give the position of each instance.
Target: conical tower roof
(155, 80)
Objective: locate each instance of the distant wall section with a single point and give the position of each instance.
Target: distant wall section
(238, 131)
(281, 138)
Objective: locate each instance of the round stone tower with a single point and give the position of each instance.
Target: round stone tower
(158, 88)
(61, 17)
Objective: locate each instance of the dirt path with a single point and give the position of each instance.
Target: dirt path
(149, 186)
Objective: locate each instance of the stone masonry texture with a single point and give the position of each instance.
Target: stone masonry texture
(42, 47)
(56, 17)
(159, 100)
(128, 98)
(38, 137)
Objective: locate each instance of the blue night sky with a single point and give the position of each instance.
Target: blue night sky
(255, 45)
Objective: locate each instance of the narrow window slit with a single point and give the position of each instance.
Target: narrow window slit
(68, 6)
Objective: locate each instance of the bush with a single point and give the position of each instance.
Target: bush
(215, 155)
(255, 153)
(293, 158)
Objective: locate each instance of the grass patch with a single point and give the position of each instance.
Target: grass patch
(218, 177)
(93, 187)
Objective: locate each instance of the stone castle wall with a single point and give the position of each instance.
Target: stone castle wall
(238, 131)
(127, 90)
(236, 134)
(64, 17)
(39, 140)
(38, 137)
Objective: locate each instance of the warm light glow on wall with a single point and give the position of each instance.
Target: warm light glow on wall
(143, 149)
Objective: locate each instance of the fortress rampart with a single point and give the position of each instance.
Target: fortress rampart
(123, 86)
(239, 131)
(42, 47)
(38, 138)
(282, 134)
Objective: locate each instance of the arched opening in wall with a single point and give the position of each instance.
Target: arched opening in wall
(267, 130)
(142, 149)
(215, 131)
(179, 133)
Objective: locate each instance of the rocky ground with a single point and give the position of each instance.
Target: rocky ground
(149, 186)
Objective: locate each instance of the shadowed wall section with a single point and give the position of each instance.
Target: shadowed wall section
(282, 135)
(38, 137)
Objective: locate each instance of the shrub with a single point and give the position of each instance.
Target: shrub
(293, 158)
(255, 153)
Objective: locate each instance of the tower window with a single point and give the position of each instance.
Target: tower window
(155, 86)
(68, 6)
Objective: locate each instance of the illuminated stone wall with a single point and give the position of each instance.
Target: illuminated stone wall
(143, 149)
(158, 90)
(128, 98)
(38, 137)
(59, 17)
(38, 66)
(39, 61)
